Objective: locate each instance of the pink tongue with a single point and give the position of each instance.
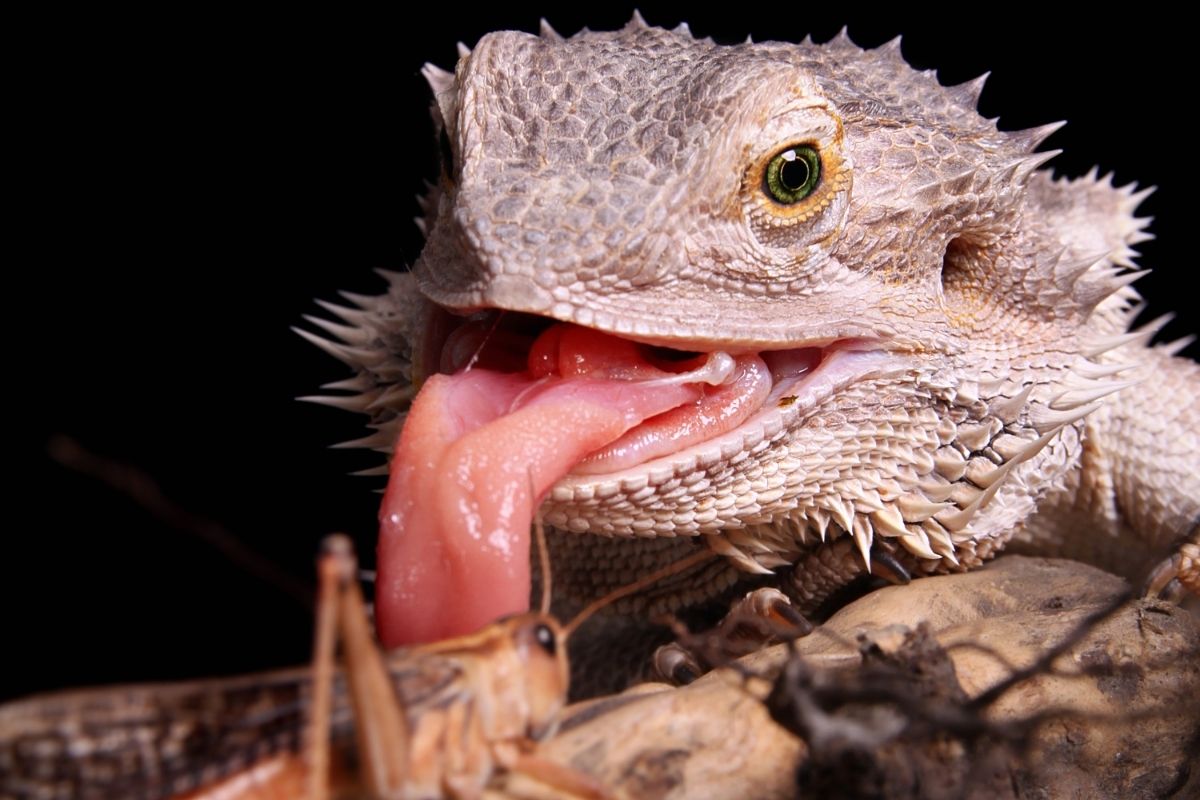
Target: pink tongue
(477, 452)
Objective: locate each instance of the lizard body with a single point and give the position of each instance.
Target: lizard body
(619, 181)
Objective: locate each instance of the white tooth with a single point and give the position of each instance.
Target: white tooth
(463, 50)
(371, 472)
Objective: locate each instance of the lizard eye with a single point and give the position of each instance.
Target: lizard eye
(792, 174)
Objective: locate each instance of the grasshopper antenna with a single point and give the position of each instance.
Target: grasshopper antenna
(543, 561)
(539, 530)
(641, 583)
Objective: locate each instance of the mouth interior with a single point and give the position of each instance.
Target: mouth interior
(518, 404)
(545, 350)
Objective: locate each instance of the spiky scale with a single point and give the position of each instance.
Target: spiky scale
(546, 31)
(1006, 338)
(1080, 397)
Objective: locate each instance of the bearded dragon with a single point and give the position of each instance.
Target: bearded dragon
(867, 330)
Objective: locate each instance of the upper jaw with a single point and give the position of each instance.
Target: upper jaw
(445, 328)
(699, 329)
(693, 309)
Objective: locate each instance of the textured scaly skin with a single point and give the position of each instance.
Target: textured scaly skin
(614, 180)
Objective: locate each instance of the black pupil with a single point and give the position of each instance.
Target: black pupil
(545, 637)
(794, 174)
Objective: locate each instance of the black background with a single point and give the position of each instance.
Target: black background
(188, 184)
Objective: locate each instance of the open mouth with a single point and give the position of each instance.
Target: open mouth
(727, 389)
(520, 403)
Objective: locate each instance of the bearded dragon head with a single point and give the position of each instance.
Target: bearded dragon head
(928, 312)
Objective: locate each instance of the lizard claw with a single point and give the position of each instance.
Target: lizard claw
(1177, 572)
(674, 664)
(886, 566)
(764, 616)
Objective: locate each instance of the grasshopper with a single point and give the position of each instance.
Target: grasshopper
(429, 721)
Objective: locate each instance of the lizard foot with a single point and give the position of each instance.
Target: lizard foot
(764, 616)
(1177, 572)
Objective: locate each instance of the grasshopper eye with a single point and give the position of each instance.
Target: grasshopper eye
(546, 638)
